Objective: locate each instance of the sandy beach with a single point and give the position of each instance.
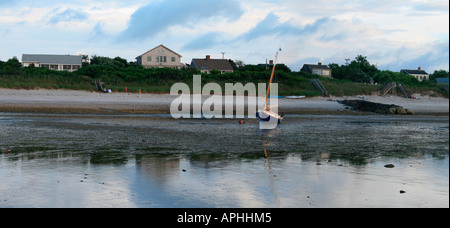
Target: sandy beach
(67, 101)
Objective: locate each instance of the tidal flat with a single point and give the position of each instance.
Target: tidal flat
(154, 161)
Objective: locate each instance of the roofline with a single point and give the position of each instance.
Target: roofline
(158, 47)
(316, 65)
(407, 71)
(194, 63)
(45, 61)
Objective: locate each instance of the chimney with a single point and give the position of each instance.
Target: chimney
(208, 57)
(320, 64)
(271, 62)
(420, 68)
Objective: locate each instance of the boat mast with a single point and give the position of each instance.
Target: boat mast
(271, 78)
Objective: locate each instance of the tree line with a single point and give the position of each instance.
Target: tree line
(361, 70)
(118, 71)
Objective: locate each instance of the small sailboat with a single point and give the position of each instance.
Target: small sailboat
(267, 117)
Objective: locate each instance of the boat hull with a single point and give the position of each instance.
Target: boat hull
(268, 120)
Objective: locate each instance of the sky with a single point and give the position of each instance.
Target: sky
(394, 34)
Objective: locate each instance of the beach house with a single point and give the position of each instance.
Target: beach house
(319, 69)
(419, 74)
(160, 57)
(54, 62)
(207, 65)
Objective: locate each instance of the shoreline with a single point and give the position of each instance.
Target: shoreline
(84, 102)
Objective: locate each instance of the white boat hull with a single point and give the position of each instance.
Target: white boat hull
(268, 120)
(295, 97)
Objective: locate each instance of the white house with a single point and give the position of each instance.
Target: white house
(419, 74)
(53, 62)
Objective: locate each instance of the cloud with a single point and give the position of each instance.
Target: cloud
(98, 31)
(432, 7)
(434, 57)
(156, 17)
(204, 42)
(67, 15)
(394, 34)
(271, 25)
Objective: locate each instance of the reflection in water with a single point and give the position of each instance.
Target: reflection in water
(309, 161)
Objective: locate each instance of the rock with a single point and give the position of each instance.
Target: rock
(367, 106)
(389, 166)
(410, 112)
(402, 191)
(392, 111)
(400, 111)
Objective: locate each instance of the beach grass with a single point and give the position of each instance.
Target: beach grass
(297, 87)
(160, 81)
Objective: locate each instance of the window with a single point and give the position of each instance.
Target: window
(318, 72)
(161, 59)
(173, 59)
(149, 58)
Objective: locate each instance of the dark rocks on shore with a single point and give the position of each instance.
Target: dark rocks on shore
(368, 106)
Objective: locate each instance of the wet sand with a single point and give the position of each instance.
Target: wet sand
(129, 152)
(61, 160)
(64, 101)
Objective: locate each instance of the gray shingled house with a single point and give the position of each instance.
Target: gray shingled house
(319, 69)
(207, 64)
(53, 62)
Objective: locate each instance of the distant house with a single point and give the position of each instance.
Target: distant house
(319, 69)
(419, 74)
(54, 62)
(207, 64)
(160, 57)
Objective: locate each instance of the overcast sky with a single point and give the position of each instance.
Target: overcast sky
(394, 34)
